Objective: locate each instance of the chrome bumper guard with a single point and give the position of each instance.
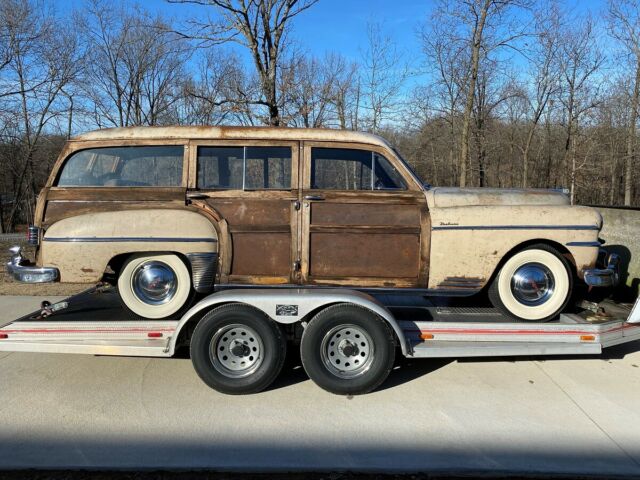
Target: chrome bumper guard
(604, 277)
(22, 271)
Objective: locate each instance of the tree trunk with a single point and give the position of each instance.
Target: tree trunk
(471, 87)
(631, 137)
(525, 158)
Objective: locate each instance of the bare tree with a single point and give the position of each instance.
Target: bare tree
(383, 75)
(624, 25)
(261, 26)
(480, 27)
(42, 61)
(580, 59)
(212, 94)
(544, 73)
(445, 60)
(343, 83)
(135, 62)
(305, 90)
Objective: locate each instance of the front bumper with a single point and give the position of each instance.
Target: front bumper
(608, 275)
(22, 271)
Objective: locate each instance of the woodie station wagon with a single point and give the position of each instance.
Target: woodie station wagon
(168, 213)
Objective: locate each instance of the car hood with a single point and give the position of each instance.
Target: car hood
(462, 197)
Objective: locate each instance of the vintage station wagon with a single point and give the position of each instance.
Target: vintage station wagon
(168, 213)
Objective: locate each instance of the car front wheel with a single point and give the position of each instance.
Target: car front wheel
(154, 285)
(533, 285)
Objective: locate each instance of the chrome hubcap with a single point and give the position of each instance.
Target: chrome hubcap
(347, 351)
(154, 283)
(532, 284)
(236, 351)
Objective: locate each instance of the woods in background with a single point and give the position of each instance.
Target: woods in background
(505, 93)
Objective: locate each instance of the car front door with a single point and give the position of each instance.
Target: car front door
(365, 221)
(253, 186)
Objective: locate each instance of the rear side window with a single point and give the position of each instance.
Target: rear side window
(153, 166)
(244, 168)
(352, 169)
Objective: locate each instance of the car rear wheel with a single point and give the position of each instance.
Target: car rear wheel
(533, 285)
(154, 285)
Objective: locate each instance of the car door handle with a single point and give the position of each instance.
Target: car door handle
(197, 196)
(316, 198)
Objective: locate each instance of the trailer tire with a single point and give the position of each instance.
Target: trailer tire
(236, 349)
(347, 350)
(543, 267)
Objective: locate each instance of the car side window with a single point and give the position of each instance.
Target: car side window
(352, 169)
(152, 166)
(386, 176)
(244, 168)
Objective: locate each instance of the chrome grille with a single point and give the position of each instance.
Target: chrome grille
(203, 270)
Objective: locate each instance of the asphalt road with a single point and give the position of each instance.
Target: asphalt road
(533, 415)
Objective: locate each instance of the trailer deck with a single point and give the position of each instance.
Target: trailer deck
(94, 322)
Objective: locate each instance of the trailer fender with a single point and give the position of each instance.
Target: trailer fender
(289, 306)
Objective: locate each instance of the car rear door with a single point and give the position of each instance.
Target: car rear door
(253, 186)
(365, 222)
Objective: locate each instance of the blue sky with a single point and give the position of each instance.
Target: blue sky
(340, 25)
(336, 25)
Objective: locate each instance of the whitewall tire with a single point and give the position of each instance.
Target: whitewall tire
(154, 285)
(533, 284)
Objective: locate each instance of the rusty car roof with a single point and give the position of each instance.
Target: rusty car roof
(231, 133)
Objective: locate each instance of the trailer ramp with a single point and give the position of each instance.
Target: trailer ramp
(434, 331)
(92, 322)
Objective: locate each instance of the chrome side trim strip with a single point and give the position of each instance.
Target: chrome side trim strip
(515, 227)
(583, 244)
(129, 239)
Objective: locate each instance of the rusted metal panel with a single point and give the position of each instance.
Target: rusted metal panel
(361, 214)
(241, 211)
(261, 234)
(364, 255)
(105, 194)
(260, 254)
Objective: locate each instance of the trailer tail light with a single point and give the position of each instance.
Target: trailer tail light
(426, 336)
(3, 336)
(587, 338)
(154, 334)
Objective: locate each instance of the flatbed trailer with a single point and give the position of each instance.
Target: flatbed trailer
(238, 338)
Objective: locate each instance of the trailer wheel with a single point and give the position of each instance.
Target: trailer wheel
(347, 349)
(237, 349)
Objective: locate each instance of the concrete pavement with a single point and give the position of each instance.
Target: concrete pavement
(562, 415)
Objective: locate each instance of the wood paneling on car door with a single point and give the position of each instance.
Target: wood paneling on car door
(363, 238)
(263, 222)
